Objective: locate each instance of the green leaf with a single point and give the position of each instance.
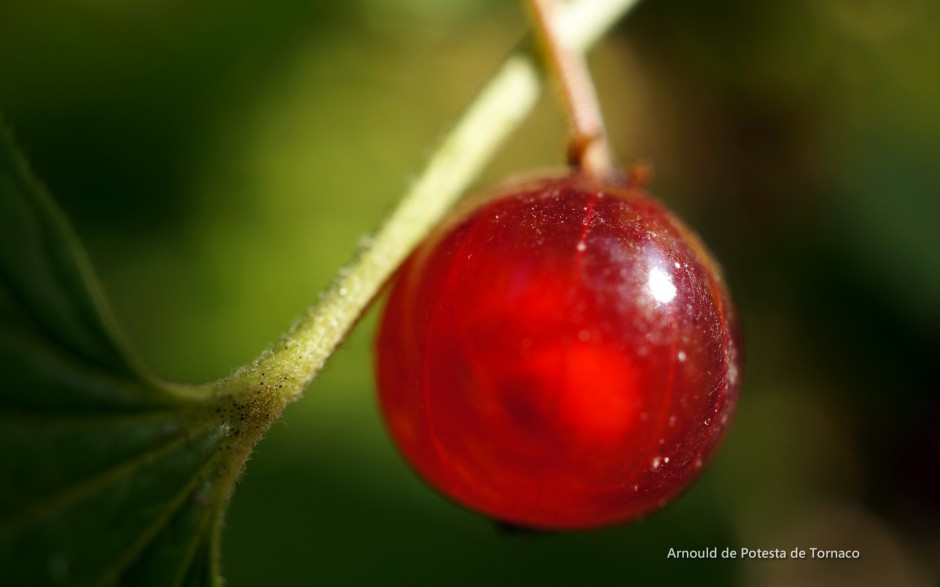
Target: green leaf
(107, 473)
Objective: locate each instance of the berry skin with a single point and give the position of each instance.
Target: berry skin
(564, 355)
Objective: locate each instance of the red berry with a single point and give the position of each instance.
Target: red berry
(564, 355)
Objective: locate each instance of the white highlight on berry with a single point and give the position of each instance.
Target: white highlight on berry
(660, 286)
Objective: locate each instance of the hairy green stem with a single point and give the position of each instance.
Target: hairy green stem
(497, 110)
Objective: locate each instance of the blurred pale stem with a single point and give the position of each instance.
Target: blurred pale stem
(497, 110)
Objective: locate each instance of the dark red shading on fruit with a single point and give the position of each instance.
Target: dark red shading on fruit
(565, 355)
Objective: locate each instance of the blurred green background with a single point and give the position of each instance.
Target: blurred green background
(222, 160)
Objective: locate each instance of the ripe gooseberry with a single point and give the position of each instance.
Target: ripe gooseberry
(562, 355)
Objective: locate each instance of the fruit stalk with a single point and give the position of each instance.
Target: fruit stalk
(588, 149)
